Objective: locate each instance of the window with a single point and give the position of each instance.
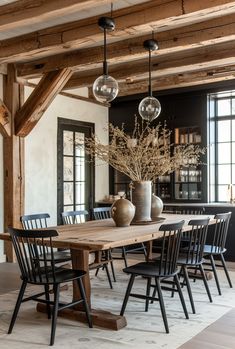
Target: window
(75, 172)
(221, 149)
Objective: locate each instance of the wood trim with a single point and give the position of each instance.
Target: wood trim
(13, 155)
(39, 100)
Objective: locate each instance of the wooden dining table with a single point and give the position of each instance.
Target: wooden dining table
(101, 235)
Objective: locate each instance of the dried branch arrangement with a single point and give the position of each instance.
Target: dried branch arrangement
(146, 154)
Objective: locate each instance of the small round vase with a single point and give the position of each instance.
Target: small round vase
(156, 206)
(122, 212)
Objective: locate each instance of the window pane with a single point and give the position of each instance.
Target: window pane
(80, 169)
(68, 208)
(233, 129)
(224, 107)
(79, 141)
(233, 106)
(80, 193)
(224, 131)
(68, 168)
(212, 153)
(233, 153)
(68, 142)
(68, 193)
(233, 176)
(224, 176)
(224, 153)
(223, 193)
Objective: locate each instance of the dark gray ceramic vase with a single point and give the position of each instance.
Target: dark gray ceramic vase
(122, 212)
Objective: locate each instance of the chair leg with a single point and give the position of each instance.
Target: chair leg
(154, 294)
(186, 279)
(177, 283)
(147, 294)
(162, 305)
(226, 270)
(145, 251)
(47, 296)
(205, 282)
(112, 266)
(86, 306)
(215, 273)
(124, 256)
(56, 289)
(108, 275)
(128, 291)
(97, 271)
(17, 306)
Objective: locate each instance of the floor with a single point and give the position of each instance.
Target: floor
(219, 335)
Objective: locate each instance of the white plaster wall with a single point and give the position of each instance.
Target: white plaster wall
(41, 153)
(2, 258)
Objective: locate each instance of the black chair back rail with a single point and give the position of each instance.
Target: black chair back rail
(34, 221)
(194, 249)
(35, 254)
(101, 213)
(170, 243)
(220, 232)
(74, 217)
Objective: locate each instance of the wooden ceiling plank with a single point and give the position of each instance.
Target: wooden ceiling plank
(171, 41)
(176, 81)
(27, 12)
(196, 59)
(132, 21)
(30, 113)
(5, 120)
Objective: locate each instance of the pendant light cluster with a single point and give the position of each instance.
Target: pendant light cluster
(150, 107)
(105, 87)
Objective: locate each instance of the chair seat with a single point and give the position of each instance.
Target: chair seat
(151, 269)
(210, 249)
(61, 275)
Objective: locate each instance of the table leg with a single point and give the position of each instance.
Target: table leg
(80, 260)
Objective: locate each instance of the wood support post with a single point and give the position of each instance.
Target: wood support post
(13, 153)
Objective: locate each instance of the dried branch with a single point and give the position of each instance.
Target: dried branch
(145, 155)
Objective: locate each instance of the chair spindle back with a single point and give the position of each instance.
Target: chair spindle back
(74, 217)
(101, 213)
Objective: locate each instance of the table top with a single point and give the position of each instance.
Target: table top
(103, 234)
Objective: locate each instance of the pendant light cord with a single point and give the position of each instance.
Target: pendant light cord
(105, 65)
(150, 77)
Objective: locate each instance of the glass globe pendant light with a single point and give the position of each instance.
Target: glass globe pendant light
(150, 107)
(105, 87)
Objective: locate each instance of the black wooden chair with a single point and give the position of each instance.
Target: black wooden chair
(77, 217)
(36, 260)
(104, 213)
(38, 221)
(191, 255)
(217, 247)
(163, 268)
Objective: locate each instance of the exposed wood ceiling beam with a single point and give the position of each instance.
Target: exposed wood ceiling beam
(177, 81)
(26, 12)
(193, 60)
(132, 21)
(5, 120)
(71, 95)
(197, 35)
(39, 100)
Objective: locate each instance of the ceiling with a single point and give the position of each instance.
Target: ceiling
(196, 41)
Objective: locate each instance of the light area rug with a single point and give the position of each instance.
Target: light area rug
(144, 330)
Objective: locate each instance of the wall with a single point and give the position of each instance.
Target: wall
(41, 153)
